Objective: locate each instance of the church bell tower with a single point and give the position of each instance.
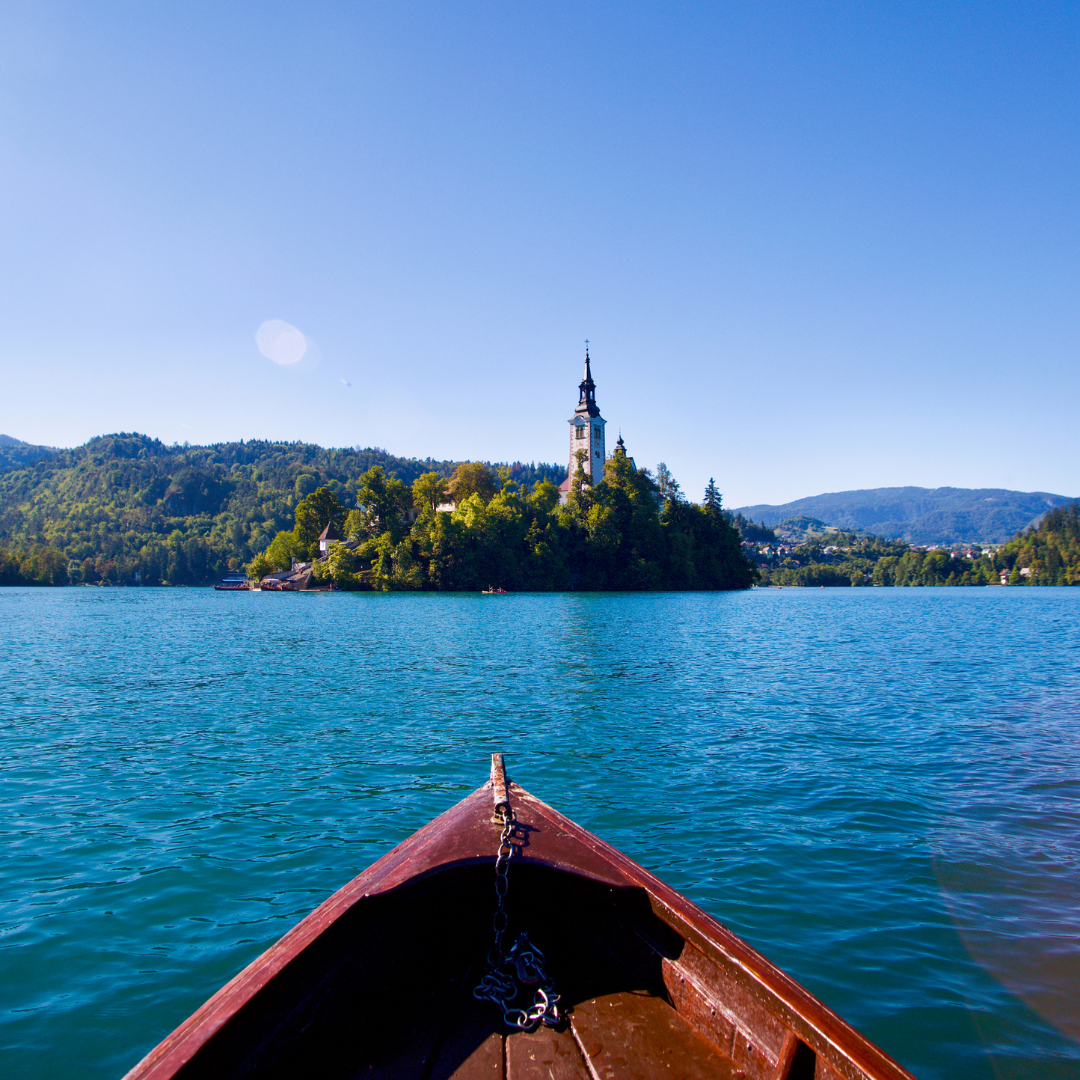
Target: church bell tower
(587, 430)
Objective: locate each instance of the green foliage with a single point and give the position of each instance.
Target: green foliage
(851, 559)
(41, 565)
(128, 508)
(285, 547)
(381, 503)
(472, 478)
(15, 454)
(581, 479)
(1050, 552)
(666, 484)
(341, 567)
(260, 566)
(314, 512)
(429, 490)
(713, 501)
(608, 536)
(750, 531)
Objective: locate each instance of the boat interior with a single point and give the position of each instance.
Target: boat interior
(386, 991)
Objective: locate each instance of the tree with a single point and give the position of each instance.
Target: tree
(506, 481)
(429, 490)
(313, 513)
(382, 502)
(282, 550)
(667, 485)
(340, 567)
(545, 497)
(472, 478)
(260, 566)
(582, 479)
(713, 498)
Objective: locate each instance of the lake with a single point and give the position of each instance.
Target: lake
(877, 788)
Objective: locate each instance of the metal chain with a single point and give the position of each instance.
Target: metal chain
(521, 966)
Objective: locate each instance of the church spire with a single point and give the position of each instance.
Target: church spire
(587, 400)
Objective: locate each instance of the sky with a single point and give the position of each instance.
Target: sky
(813, 246)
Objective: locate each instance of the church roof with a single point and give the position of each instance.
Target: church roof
(329, 533)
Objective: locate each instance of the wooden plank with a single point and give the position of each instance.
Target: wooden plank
(472, 1048)
(715, 996)
(546, 1054)
(787, 1057)
(465, 1062)
(626, 1036)
(797, 1061)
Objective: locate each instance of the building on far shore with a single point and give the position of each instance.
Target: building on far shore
(327, 537)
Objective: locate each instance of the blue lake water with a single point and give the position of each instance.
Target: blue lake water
(878, 788)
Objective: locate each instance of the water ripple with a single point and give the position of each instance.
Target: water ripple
(877, 788)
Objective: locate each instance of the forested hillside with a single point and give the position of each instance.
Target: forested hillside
(1050, 553)
(14, 452)
(851, 559)
(126, 508)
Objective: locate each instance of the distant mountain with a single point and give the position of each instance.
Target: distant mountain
(920, 515)
(15, 453)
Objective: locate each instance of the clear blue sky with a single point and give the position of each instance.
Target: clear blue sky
(815, 246)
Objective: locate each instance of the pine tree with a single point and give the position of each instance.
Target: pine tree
(713, 498)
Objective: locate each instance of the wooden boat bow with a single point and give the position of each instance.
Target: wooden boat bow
(378, 980)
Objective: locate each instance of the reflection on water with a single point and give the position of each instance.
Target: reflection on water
(1008, 860)
(877, 788)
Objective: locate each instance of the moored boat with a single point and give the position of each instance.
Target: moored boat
(233, 583)
(270, 584)
(503, 940)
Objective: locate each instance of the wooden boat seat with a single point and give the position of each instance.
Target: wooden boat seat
(623, 1034)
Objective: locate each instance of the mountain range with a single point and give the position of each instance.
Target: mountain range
(925, 516)
(945, 515)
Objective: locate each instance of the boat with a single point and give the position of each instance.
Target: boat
(502, 940)
(277, 585)
(493, 592)
(233, 583)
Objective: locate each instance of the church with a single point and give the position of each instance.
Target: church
(587, 435)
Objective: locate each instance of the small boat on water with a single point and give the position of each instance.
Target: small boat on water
(504, 941)
(233, 583)
(277, 585)
(493, 592)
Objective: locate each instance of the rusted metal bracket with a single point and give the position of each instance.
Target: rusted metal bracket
(500, 795)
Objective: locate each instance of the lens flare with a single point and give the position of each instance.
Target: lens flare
(281, 342)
